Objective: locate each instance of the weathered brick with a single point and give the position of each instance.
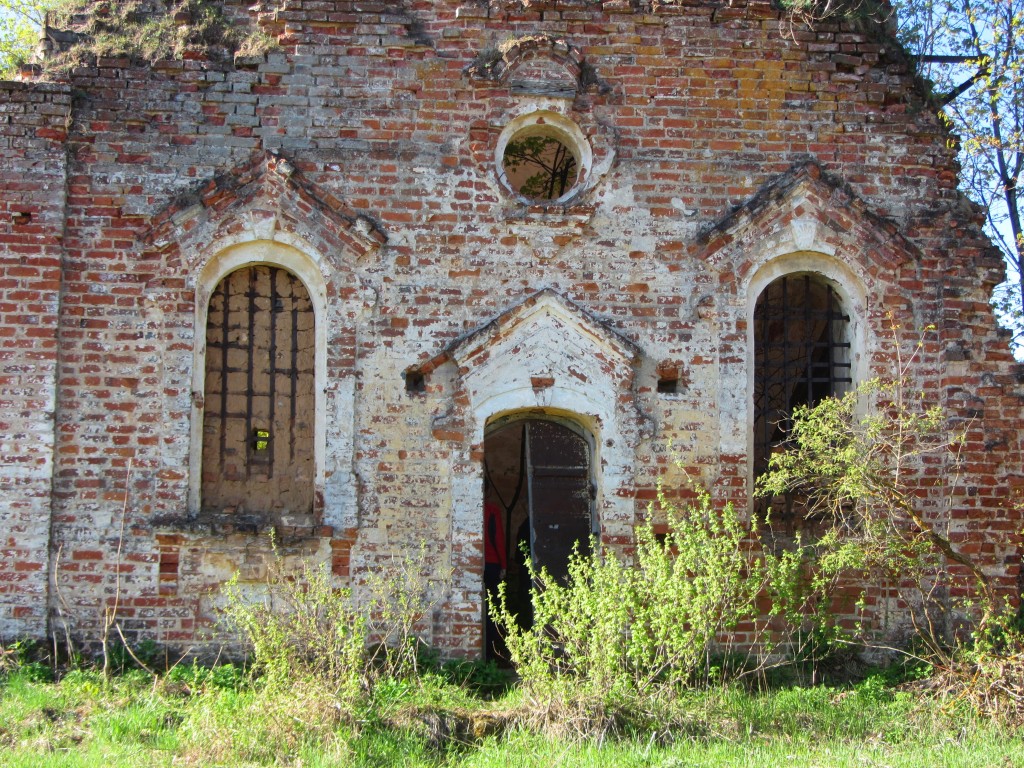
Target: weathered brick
(719, 151)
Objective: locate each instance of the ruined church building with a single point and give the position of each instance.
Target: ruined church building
(423, 253)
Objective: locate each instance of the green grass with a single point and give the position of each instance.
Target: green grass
(536, 752)
(195, 717)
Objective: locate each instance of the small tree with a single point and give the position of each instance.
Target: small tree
(971, 51)
(21, 23)
(863, 465)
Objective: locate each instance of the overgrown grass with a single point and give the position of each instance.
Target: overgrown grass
(193, 716)
(621, 668)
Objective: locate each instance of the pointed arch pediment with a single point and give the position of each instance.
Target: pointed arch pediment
(544, 351)
(542, 316)
(806, 210)
(548, 358)
(264, 199)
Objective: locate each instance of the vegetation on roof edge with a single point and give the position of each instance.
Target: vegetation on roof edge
(173, 29)
(109, 28)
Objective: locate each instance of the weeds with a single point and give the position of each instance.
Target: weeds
(222, 718)
(26, 659)
(182, 27)
(399, 600)
(814, 13)
(985, 677)
(194, 678)
(301, 627)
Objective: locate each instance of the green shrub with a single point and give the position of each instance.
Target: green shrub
(482, 676)
(26, 658)
(146, 654)
(616, 635)
(301, 626)
(298, 626)
(876, 471)
(869, 469)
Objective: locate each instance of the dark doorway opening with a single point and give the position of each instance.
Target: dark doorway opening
(801, 356)
(538, 475)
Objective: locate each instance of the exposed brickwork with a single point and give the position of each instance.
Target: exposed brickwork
(32, 188)
(724, 150)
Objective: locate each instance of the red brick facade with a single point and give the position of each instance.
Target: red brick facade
(719, 148)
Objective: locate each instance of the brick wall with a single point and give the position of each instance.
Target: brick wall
(722, 145)
(32, 181)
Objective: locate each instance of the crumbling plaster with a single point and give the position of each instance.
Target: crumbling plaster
(547, 357)
(363, 157)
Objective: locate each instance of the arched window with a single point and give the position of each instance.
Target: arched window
(259, 402)
(801, 355)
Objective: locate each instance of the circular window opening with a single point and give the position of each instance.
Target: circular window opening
(543, 157)
(540, 164)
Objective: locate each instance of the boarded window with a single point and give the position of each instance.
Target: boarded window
(802, 355)
(259, 415)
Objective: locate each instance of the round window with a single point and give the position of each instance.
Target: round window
(539, 167)
(542, 160)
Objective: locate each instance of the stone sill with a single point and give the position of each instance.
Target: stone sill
(229, 524)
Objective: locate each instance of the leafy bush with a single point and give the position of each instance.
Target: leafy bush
(875, 470)
(616, 635)
(26, 658)
(299, 626)
(482, 676)
(857, 465)
(303, 627)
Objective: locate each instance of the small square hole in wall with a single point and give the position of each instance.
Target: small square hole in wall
(21, 218)
(671, 377)
(415, 382)
(661, 536)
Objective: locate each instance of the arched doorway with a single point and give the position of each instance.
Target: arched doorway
(539, 473)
